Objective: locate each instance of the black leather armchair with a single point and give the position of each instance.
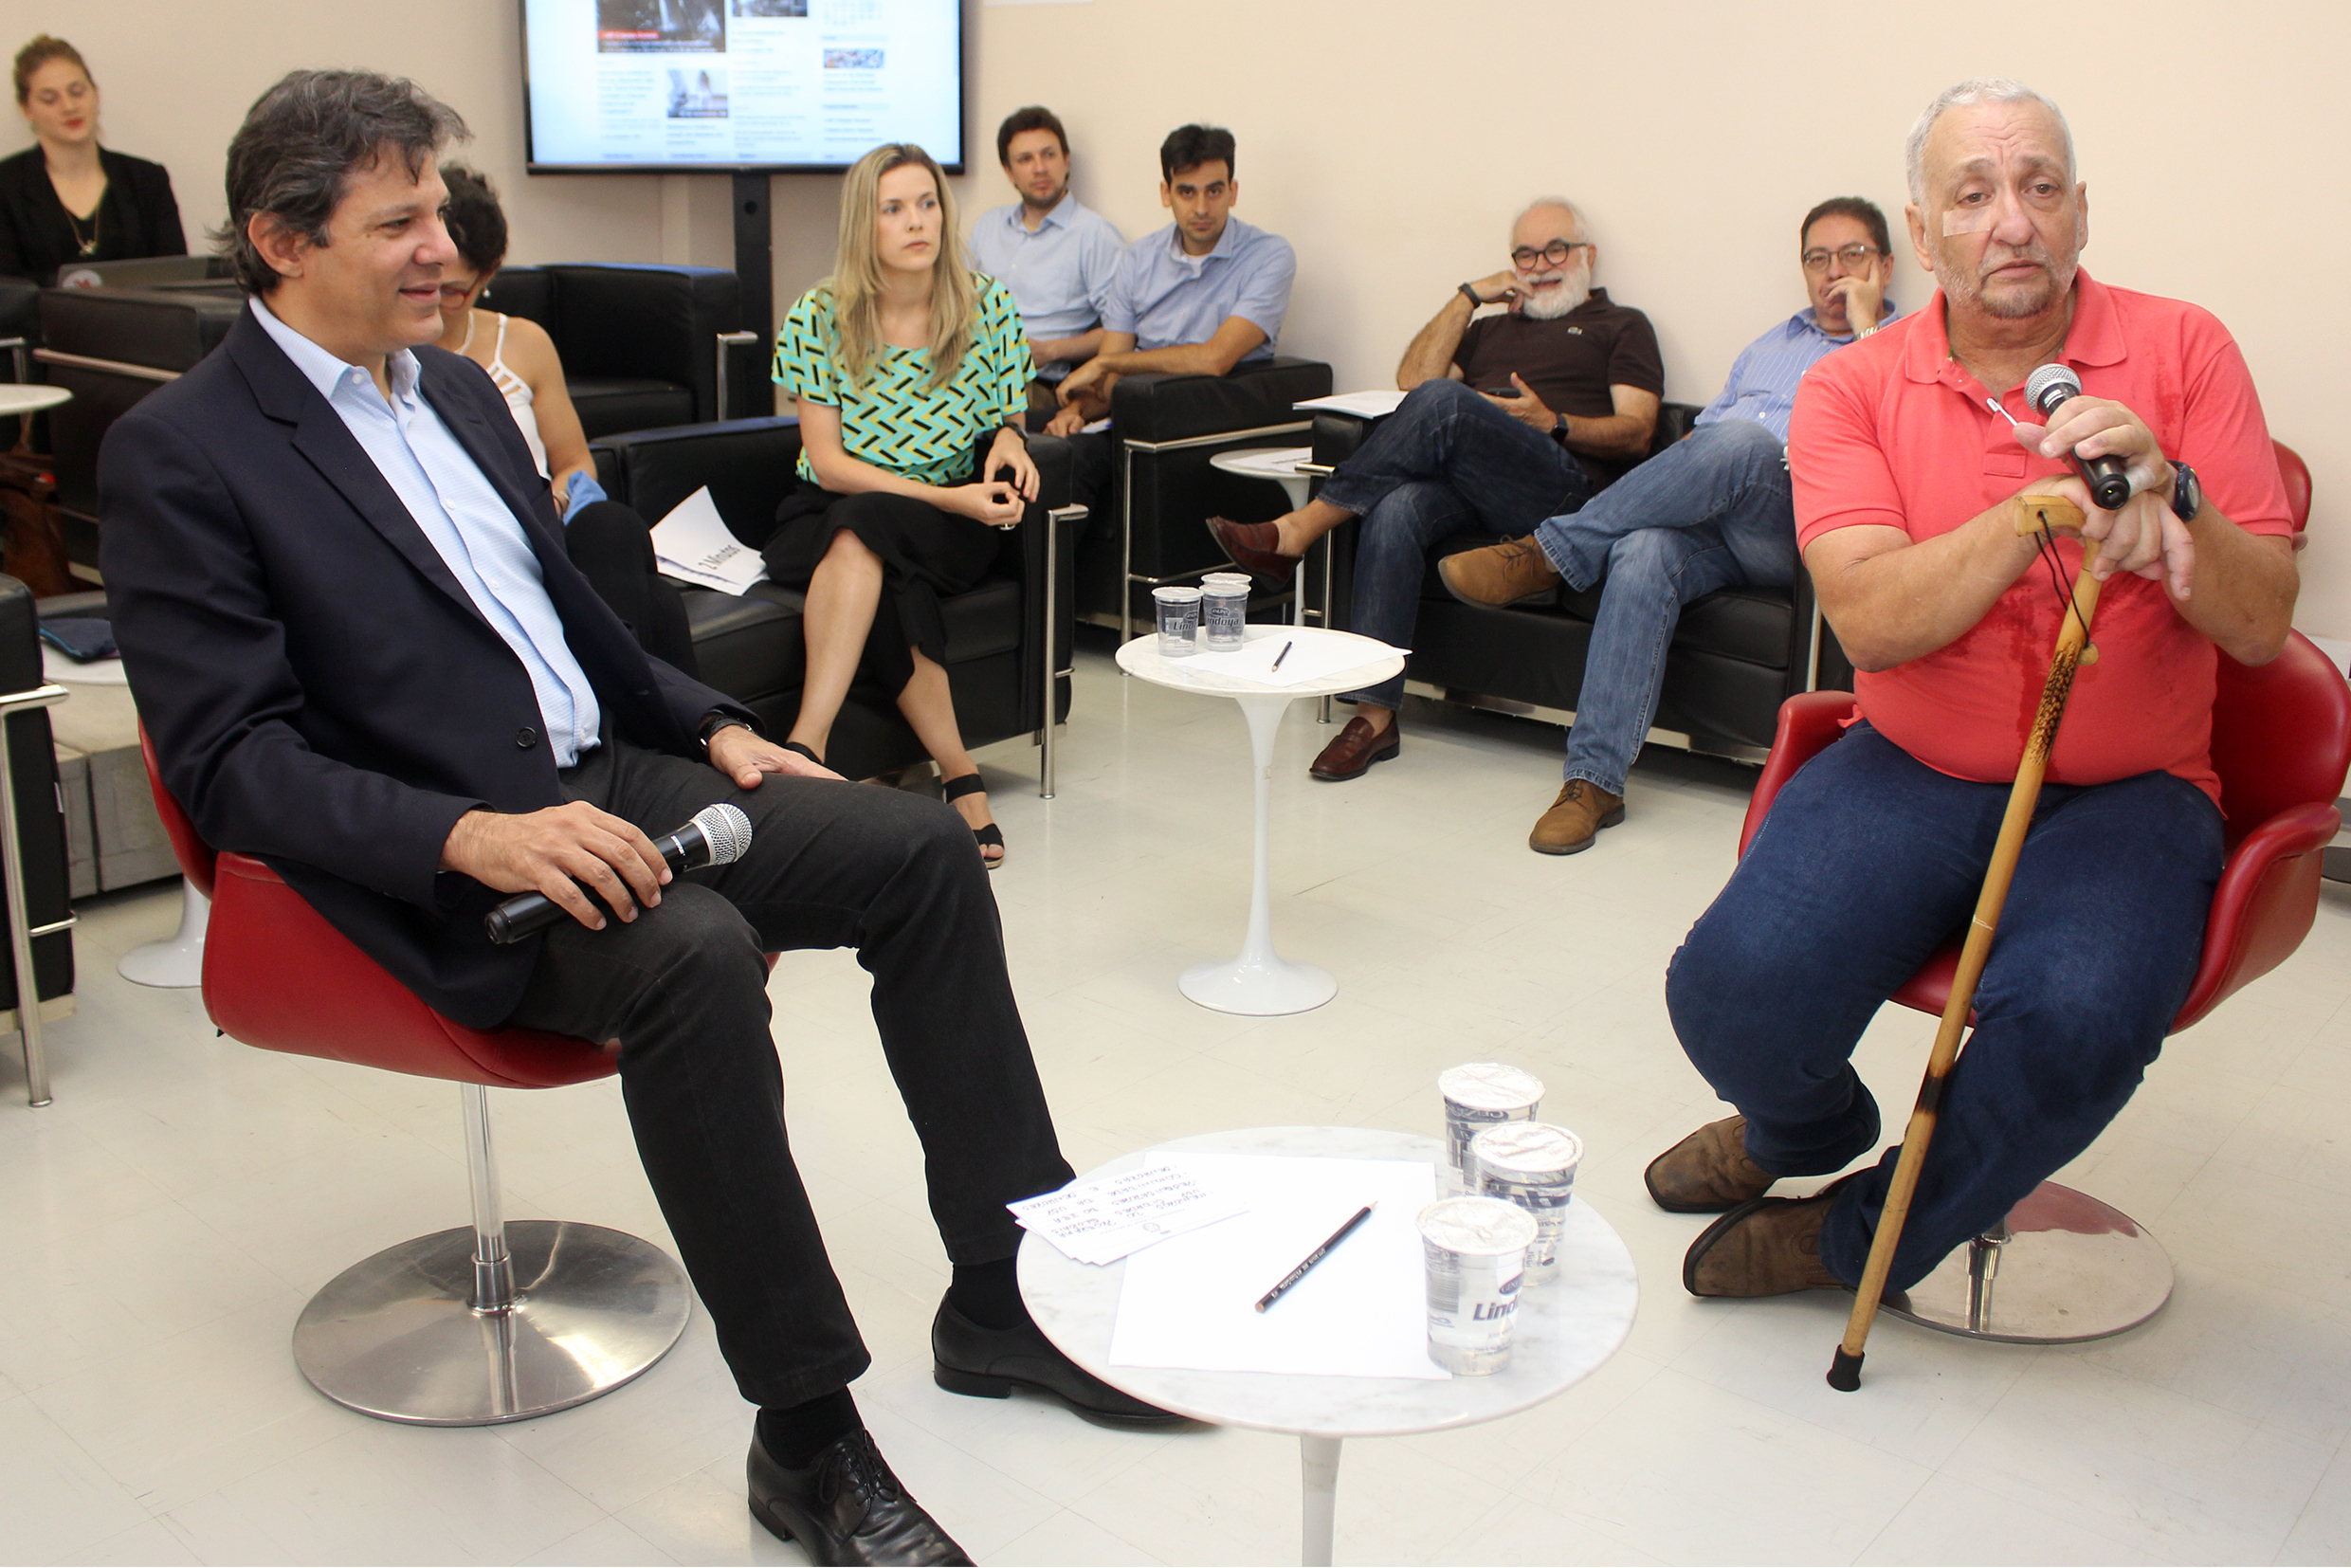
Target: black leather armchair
(38, 924)
(1165, 430)
(1736, 655)
(1008, 640)
(640, 344)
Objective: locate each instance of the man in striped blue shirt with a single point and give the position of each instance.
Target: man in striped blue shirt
(1710, 512)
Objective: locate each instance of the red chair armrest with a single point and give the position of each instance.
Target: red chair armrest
(1808, 722)
(2265, 904)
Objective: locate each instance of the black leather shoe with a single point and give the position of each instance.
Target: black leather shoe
(990, 1363)
(845, 1506)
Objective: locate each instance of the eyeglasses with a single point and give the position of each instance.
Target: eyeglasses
(1556, 253)
(1855, 257)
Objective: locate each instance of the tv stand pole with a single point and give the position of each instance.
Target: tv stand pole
(755, 279)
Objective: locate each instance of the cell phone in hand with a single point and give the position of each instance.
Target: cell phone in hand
(1503, 391)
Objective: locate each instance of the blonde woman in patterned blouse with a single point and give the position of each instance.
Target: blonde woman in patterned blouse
(911, 375)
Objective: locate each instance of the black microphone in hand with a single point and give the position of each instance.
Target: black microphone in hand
(2108, 479)
(717, 836)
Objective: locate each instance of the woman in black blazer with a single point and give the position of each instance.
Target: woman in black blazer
(67, 199)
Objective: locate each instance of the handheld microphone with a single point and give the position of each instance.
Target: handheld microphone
(2108, 481)
(717, 836)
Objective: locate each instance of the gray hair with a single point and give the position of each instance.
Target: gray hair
(301, 142)
(1572, 210)
(1983, 89)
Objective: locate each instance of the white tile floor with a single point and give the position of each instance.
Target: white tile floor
(164, 1221)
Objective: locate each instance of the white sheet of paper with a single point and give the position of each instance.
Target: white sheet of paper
(693, 542)
(1191, 1301)
(1103, 1221)
(1376, 404)
(1310, 659)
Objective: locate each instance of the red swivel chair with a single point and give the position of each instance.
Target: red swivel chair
(465, 1327)
(2067, 1267)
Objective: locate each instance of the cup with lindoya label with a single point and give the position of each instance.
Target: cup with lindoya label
(1531, 1164)
(1478, 1095)
(1475, 1250)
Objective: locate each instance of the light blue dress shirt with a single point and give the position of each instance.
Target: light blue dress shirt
(460, 511)
(1060, 275)
(1764, 377)
(1166, 297)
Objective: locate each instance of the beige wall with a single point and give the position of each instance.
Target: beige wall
(1391, 142)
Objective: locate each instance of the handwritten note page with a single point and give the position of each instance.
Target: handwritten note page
(1103, 1221)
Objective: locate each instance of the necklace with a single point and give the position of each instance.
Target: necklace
(88, 243)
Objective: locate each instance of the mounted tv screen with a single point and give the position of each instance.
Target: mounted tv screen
(668, 87)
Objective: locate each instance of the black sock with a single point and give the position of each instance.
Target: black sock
(989, 1294)
(794, 1434)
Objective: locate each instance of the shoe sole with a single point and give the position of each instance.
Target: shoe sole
(1387, 755)
(1446, 579)
(991, 1386)
(1580, 846)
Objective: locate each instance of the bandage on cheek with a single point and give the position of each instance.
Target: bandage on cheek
(1969, 221)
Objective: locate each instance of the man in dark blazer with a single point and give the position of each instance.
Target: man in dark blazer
(342, 596)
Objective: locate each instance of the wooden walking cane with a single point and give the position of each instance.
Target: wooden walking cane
(2034, 514)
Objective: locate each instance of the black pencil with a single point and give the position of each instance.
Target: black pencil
(1316, 1256)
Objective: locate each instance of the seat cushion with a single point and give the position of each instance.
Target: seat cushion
(751, 646)
(611, 404)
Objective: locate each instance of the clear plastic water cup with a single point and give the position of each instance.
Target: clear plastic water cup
(1475, 1249)
(1224, 611)
(1179, 621)
(1531, 1164)
(1478, 1095)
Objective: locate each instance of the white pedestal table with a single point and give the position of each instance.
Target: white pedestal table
(1259, 983)
(1565, 1331)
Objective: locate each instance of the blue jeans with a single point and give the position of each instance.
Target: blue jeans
(1870, 860)
(1707, 513)
(1446, 462)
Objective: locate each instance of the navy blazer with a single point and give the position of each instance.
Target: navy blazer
(321, 691)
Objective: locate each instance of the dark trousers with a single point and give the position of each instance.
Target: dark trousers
(613, 549)
(1870, 861)
(1445, 462)
(683, 988)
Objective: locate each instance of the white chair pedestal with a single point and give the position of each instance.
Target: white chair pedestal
(178, 960)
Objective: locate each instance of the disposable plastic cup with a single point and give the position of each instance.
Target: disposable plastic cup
(1478, 1095)
(1224, 611)
(1475, 1249)
(1179, 621)
(1531, 1164)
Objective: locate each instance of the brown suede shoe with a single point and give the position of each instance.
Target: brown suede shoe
(1255, 547)
(1575, 818)
(1353, 750)
(1500, 574)
(1768, 1247)
(1707, 1173)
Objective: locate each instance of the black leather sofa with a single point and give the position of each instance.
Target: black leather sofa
(1736, 655)
(640, 344)
(1006, 639)
(1165, 430)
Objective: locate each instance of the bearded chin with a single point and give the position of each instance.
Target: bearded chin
(1574, 289)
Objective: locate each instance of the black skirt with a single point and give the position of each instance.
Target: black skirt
(925, 554)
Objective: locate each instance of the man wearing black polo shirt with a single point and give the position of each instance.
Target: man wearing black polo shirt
(1507, 420)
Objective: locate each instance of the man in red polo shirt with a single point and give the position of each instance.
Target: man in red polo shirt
(1904, 475)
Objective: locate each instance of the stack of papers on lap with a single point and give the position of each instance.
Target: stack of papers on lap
(1376, 404)
(1190, 1303)
(1310, 659)
(1103, 1221)
(692, 542)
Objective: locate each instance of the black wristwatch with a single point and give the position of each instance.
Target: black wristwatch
(1476, 301)
(717, 721)
(2187, 493)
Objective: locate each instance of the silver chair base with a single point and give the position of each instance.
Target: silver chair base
(2065, 1268)
(396, 1336)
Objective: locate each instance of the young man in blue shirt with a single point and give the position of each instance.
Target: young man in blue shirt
(1056, 255)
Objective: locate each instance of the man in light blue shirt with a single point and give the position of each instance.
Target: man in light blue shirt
(1198, 298)
(1054, 254)
(1710, 512)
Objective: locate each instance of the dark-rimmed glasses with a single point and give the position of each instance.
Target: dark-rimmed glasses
(1556, 253)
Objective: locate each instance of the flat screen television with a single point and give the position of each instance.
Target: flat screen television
(780, 86)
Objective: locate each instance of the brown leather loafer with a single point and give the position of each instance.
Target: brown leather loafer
(1575, 818)
(1768, 1247)
(1707, 1173)
(1255, 547)
(1353, 750)
(1507, 573)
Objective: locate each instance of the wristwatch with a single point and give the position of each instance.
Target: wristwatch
(2187, 492)
(1476, 301)
(716, 723)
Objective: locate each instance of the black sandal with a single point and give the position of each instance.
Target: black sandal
(796, 746)
(955, 788)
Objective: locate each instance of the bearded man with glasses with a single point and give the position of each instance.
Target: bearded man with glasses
(1508, 419)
